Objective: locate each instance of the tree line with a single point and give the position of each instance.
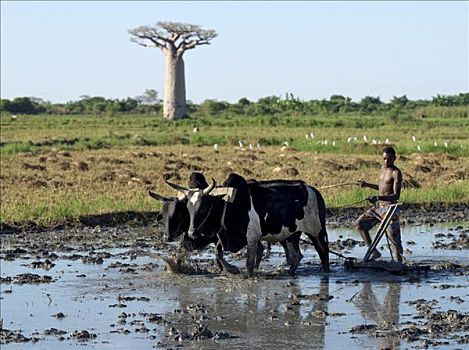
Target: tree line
(149, 103)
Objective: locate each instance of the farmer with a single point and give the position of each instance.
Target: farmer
(389, 189)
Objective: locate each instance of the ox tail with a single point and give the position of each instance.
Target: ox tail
(323, 239)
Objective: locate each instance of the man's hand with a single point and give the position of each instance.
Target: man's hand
(373, 199)
(362, 183)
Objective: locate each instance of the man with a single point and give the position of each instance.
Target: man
(389, 189)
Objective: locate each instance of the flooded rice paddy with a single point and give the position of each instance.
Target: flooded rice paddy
(107, 288)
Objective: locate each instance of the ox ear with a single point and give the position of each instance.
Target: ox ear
(159, 197)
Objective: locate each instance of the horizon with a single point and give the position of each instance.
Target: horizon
(232, 102)
(312, 50)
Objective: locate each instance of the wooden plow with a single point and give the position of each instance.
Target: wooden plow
(393, 267)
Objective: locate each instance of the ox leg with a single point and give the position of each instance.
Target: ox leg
(269, 249)
(251, 256)
(222, 264)
(260, 254)
(321, 245)
(294, 252)
(287, 253)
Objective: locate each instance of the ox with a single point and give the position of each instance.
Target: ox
(272, 211)
(176, 221)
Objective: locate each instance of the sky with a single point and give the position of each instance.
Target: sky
(59, 51)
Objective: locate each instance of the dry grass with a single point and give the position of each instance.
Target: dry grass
(55, 186)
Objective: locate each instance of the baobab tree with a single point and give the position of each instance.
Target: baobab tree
(173, 39)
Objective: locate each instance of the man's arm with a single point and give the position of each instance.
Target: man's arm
(362, 183)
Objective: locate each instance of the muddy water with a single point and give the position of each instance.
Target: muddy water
(109, 289)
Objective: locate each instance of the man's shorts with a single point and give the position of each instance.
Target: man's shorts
(367, 220)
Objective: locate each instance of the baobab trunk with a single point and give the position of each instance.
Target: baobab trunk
(174, 87)
(181, 88)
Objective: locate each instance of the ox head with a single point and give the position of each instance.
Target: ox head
(204, 210)
(174, 215)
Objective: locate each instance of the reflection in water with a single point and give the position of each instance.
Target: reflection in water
(252, 310)
(385, 314)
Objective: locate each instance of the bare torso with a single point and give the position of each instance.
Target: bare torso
(390, 182)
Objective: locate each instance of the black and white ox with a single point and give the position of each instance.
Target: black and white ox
(176, 221)
(273, 211)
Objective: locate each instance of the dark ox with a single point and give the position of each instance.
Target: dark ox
(174, 215)
(176, 221)
(273, 211)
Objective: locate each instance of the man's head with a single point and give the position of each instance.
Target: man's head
(389, 156)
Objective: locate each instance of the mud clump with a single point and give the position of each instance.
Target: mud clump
(7, 336)
(411, 333)
(458, 243)
(31, 278)
(436, 324)
(54, 331)
(181, 264)
(363, 328)
(348, 243)
(200, 332)
(46, 264)
(82, 335)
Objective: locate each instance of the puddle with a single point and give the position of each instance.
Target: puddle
(127, 300)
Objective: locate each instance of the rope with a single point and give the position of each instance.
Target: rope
(330, 251)
(341, 255)
(338, 185)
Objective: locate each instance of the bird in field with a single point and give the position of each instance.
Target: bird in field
(365, 139)
(240, 143)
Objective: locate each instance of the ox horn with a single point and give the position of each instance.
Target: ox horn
(177, 187)
(209, 188)
(159, 197)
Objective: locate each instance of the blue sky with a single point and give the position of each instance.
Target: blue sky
(59, 51)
